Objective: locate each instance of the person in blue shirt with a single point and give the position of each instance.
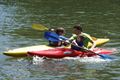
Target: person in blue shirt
(60, 32)
(81, 39)
(78, 44)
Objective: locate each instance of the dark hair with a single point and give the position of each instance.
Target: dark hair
(78, 27)
(58, 30)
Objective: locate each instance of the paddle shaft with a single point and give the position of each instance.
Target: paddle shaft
(83, 48)
(101, 55)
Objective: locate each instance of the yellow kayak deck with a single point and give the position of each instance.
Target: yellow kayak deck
(22, 52)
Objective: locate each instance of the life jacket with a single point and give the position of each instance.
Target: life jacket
(59, 43)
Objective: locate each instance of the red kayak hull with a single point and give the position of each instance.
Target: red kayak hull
(66, 52)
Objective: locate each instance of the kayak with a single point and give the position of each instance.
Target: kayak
(67, 52)
(22, 52)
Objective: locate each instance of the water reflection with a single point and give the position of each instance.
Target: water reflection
(71, 69)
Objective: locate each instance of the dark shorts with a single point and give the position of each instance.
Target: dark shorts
(54, 44)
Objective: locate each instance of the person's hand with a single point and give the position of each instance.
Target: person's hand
(91, 49)
(67, 41)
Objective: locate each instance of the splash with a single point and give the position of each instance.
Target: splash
(95, 59)
(38, 60)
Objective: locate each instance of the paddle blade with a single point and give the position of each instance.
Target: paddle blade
(103, 56)
(94, 38)
(51, 36)
(39, 27)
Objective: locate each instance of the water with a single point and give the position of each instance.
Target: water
(99, 18)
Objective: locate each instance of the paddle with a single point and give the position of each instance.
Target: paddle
(103, 56)
(39, 27)
(53, 37)
(94, 38)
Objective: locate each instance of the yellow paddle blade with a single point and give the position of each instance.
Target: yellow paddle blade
(94, 38)
(39, 27)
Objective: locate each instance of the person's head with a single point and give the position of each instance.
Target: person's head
(77, 29)
(60, 31)
(79, 38)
